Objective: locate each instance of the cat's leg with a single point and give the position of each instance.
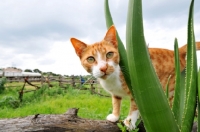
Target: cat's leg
(116, 102)
(133, 115)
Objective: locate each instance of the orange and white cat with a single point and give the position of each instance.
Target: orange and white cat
(101, 59)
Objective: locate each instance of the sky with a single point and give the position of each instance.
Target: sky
(35, 34)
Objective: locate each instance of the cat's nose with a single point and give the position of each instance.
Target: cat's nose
(103, 69)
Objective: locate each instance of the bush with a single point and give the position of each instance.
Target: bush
(9, 102)
(2, 83)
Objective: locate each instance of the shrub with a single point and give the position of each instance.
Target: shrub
(2, 83)
(10, 102)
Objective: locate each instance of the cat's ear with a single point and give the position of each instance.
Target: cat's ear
(78, 46)
(111, 36)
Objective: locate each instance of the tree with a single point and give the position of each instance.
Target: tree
(28, 70)
(37, 71)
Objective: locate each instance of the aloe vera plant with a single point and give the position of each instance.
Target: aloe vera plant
(178, 103)
(191, 77)
(154, 108)
(143, 85)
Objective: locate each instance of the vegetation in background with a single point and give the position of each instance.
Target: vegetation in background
(2, 84)
(56, 100)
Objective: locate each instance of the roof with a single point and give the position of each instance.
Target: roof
(30, 74)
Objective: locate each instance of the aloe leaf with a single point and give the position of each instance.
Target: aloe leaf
(198, 120)
(167, 88)
(122, 52)
(191, 77)
(178, 103)
(151, 99)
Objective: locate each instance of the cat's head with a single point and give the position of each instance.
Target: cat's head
(100, 59)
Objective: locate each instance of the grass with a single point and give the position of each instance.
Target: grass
(57, 101)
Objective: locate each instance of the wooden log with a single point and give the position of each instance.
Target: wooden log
(69, 122)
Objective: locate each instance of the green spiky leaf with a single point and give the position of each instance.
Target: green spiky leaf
(198, 120)
(122, 52)
(191, 77)
(178, 103)
(151, 99)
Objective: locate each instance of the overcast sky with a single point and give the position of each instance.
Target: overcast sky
(36, 33)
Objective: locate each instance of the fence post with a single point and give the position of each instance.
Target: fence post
(60, 81)
(98, 88)
(42, 80)
(73, 81)
(21, 92)
(48, 79)
(92, 86)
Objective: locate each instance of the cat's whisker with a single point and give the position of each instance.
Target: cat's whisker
(86, 81)
(96, 75)
(125, 70)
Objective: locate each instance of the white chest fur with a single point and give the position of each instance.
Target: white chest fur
(113, 85)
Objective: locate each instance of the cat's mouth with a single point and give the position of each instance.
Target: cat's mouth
(104, 76)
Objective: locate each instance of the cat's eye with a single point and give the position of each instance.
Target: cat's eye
(109, 55)
(90, 59)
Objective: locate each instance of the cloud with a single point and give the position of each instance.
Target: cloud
(35, 34)
(63, 59)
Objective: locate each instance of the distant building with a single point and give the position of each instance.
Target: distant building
(12, 69)
(12, 72)
(15, 72)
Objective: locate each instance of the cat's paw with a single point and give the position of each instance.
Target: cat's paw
(130, 123)
(131, 120)
(112, 118)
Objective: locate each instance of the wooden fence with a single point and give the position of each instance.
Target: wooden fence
(63, 82)
(74, 81)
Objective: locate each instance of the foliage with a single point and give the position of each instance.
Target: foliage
(50, 73)
(2, 83)
(124, 128)
(56, 100)
(157, 116)
(198, 102)
(9, 102)
(37, 71)
(28, 70)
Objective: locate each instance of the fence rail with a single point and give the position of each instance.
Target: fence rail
(63, 82)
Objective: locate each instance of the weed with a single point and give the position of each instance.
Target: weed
(124, 128)
(9, 102)
(56, 100)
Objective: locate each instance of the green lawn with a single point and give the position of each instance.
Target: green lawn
(57, 101)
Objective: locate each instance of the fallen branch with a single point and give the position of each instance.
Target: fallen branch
(61, 122)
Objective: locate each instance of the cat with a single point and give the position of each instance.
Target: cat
(101, 60)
